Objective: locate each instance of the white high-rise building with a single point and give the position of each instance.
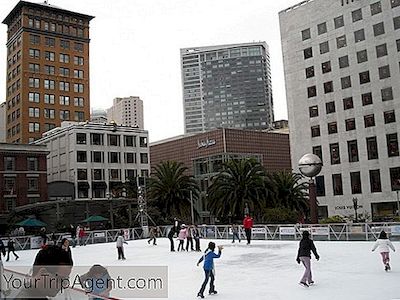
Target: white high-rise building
(3, 119)
(127, 111)
(341, 63)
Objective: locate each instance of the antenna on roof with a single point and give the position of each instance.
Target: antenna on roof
(46, 1)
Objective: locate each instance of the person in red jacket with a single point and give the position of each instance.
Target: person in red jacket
(248, 224)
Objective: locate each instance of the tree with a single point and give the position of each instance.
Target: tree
(169, 187)
(240, 183)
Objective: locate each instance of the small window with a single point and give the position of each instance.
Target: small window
(313, 111)
(372, 148)
(350, 124)
(337, 184)
(376, 8)
(308, 53)
(381, 50)
(335, 156)
(346, 82)
(396, 23)
(317, 150)
(348, 103)
(328, 87)
(81, 156)
(312, 91)
(392, 144)
(356, 15)
(306, 34)
(310, 72)
(322, 28)
(384, 72)
(81, 138)
(332, 128)
(339, 22)
(398, 45)
(379, 29)
(387, 94)
(359, 35)
(326, 67)
(352, 149)
(395, 3)
(395, 178)
(341, 42)
(389, 117)
(330, 107)
(369, 120)
(320, 185)
(366, 99)
(343, 62)
(355, 181)
(362, 56)
(324, 47)
(375, 181)
(364, 77)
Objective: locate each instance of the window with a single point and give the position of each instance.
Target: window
(395, 3)
(98, 174)
(322, 28)
(34, 82)
(144, 158)
(82, 174)
(335, 156)
(64, 115)
(326, 67)
(35, 68)
(356, 15)
(337, 184)
(64, 58)
(355, 181)
(398, 45)
(330, 107)
(81, 138)
(350, 124)
(114, 157)
(313, 111)
(341, 41)
(359, 35)
(306, 34)
(49, 84)
(339, 22)
(376, 8)
(364, 77)
(33, 163)
(79, 101)
(64, 44)
(130, 141)
(130, 158)
(97, 139)
(64, 100)
(49, 126)
(362, 56)
(307, 53)
(375, 181)
(78, 74)
(78, 47)
(348, 103)
(366, 99)
(381, 50)
(34, 39)
(50, 42)
(384, 72)
(64, 71)
(332, 128)
(78, 61)
(64, 86)
(33, 184)
(143, 142)
(324, 47)
(9, 163)
(113, 140)
(372, 148)
(50, 70)
(49, 98)
(34, 127)
(97, 156)
(346, 82)
(312, 91)
(49, 55)
(328, 87)
(81, 156)
(389, 116)
(379, 29)
(396, 23)
(317, 150)
(310, 72)
(34, 97)
(392, 144)
(34, 112)
(78, 87)
(343, 62)
(115, 174)
(34, 53)
(315, 131)
(352, 150)
(387, 94)
(395, 178)
(369, 120)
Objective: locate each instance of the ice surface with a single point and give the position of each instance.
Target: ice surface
(263, 270)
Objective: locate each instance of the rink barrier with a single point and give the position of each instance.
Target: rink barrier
(284, 232)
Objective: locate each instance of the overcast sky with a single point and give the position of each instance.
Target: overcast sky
(134, 49)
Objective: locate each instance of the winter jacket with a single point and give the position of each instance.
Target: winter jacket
(305, 248)
(383, 245)
(208, 259)
(248, 223)
(2, 249)
(182, 234)
(120, 241)
(10, 245)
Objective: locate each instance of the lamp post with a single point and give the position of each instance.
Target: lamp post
(191, 207)
(355, 205)
(398, 202)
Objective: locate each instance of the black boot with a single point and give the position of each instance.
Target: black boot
(200, 295)
(214, 292)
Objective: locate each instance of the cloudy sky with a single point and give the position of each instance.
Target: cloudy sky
(135, 44)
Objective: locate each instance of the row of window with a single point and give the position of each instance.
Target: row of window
(113, 157)
(356, 15)
(51, 70)
(10, 185)
(34, 112)
(14, 87)
(32, 163)
(51, 42)
(14, 59)
(50, 84)
(112, 140)
(355, 182)
(50, 99)
(353, 153)
(51, 56)
(55, 27)
(114, 174)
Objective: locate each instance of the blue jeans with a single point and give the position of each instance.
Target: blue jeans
(209, 274)
(235, 234)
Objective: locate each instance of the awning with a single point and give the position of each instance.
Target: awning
(83, 185)
(99, 185)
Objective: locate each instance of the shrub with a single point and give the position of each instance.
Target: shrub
(333, 219)
(280, 216)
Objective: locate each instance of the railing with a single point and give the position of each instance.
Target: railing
(287, 232)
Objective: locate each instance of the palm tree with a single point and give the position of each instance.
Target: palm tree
(169, 187)
(239, 184)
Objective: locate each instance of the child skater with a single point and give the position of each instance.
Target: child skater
(235, 233)
(153, 235)
(208, 267)
(120, 246)
(181, 237)
(383, 244)
(304, 256)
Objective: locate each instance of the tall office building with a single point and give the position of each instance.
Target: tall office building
(227, 86)
(47, 69)
(3, 109)
(341, 62)
(127, 111)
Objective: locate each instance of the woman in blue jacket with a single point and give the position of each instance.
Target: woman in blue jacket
(208, 267)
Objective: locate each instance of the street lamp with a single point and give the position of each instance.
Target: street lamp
(355, 206)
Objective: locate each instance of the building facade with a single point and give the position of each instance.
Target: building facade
(23, 175)
(127, 111)
(47, 69)
(227, 86)
(341, 63)
(97, 158)
(3, 130)
(204, 153)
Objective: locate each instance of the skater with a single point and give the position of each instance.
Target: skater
(196, 237)
(171, 234)
(235, 232)
(67, 253)
(2, 249)
(43, 235)
(72, 231)
(53, 238)
(120, 246)
(182, 237)
(304, 255)
(383, 244)
(189, 238)
(11, 248)
(153, 235)
(81, 235)
(248, 224)
(97, 273)
(208, 267)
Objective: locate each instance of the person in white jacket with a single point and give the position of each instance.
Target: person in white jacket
(383, 244)
(120, 246)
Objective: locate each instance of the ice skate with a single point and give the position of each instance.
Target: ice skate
(200, 295)
(303, 284)
(212, 292)
(311, 283)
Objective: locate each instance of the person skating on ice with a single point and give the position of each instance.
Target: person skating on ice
(384, 245)
(208, 267)
(304, 255)
(153, 235)
(181, 237)
(248, 224)
(235, 232)
(11, 248)
(196, 237)
(120, 246)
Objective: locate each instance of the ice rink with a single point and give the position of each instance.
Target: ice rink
(263, 270)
